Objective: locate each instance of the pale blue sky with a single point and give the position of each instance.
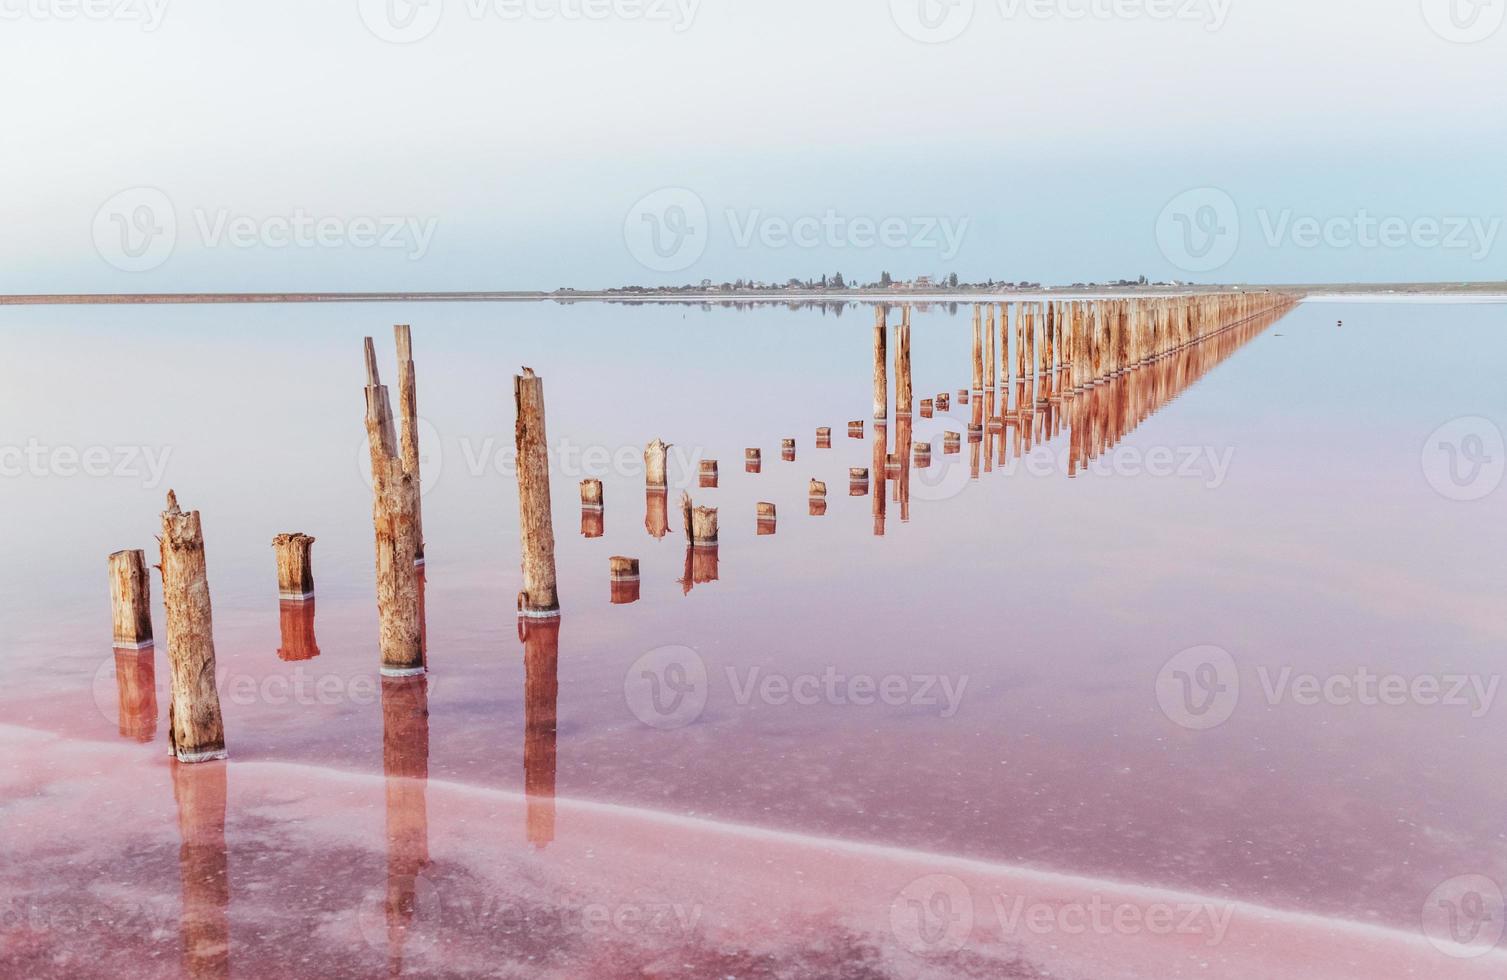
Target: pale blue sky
(511, 145)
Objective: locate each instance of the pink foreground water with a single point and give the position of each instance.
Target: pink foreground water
(939, 751)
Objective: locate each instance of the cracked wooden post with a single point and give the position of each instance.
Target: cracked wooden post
(196, 729)
(539, 599)
(395, 501)
(1004, 343)
(989, 348)
(978, 353)
(765, 519)
(626, 584)
(904, 395)
(131, 600)
(881, 366)
(295, 567)
(700, 523)
(593, 524)
(656, 465)
(408, 411)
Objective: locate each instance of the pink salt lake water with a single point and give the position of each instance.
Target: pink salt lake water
(1020, 761)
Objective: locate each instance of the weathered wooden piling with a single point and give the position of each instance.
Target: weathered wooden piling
(944, 402)
(539, 598)
(787, 450)
(881, 366)
(408, 412)
(962, 396)
(978, 353)
(709, 473)
(904, 395)
(625, 580)
(927, 410)
(824, 438)
(753, 460)
(591, 495)
(657, 464)
(131, 600)
(395, 501)
(295, 566)
(700, 523)
(855, 430)
(922, 453)
(818, 490)
(952, 443)
(1004, 343)
(196, 729)
(766, 518)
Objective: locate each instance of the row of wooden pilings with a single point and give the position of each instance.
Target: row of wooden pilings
(1078, 344)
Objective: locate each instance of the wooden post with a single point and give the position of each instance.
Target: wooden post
(787, 450)
(952, 443)
(855, 430)
(196, 730)
(593, 524)
(927, 409)
(1004, 343)
(824, 438)
(131, 600)
(881, 366)
(978, 351)
(818, 490)
(765, 519)
(944, 402)
(656, 464)
(904, 395)
(709, 473)
(591, 495)
(962, 396)
(753, 460)
(625, 580)
(858, 481)
(989, 347)
(539, 599)
(700, 523)
(295, 566)
(408, 410)
(923, 455)
(395, 501)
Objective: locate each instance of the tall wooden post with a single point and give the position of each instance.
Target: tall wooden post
(978, 351)
(539, 599)
(408, 411)
(903, 394)
(881, 365)
(395, 502)
(196, 729)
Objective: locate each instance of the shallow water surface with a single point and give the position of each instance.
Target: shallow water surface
(974, 674)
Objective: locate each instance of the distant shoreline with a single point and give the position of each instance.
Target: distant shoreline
(1335, 290)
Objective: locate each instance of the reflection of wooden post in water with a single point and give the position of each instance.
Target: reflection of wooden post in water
(593, 512)
(539, 598)
(196, 730)
(922, 452)
(405, 766)
(858, 481)
(962, 396)
(904, 395)
(879, 474)
(408, 410)
(952, 443)
(753, 460)
(657, 513)
(295, 621)
(765, 518)
(295, 566)
(625, 580)
(541, 694)
(709, 473)
(881, 366)
(395, 502)
(656, 465)
(203, 868)
(131, 600)
(136, 687)
(903, 439)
